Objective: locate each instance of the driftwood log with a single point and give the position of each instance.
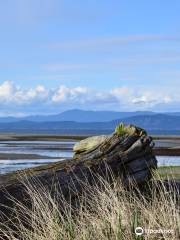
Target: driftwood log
(127, 153)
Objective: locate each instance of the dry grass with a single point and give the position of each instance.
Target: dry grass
(106, 211)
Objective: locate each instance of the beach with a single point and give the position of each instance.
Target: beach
(22, 151)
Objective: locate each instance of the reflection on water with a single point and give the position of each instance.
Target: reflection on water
(53, 149)
(42, 148)
(168, 160)
(14, 165)
(42, 152)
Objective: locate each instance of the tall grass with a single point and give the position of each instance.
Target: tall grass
(106, 211)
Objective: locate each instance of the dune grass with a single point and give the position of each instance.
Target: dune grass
(107, 211)
(172, 172)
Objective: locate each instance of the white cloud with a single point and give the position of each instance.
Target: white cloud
(10, 93)
(6, 91)
(38, 92)
(41, 99)
(63, 94)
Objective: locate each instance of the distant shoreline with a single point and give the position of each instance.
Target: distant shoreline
(40, 137)
(55, 137)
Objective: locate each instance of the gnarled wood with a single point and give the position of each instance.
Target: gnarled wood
(127, 152)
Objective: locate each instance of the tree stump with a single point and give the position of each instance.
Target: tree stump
(127, 153)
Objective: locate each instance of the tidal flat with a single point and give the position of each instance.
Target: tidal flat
(22, 151)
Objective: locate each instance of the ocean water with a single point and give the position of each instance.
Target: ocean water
(45, 151)
(14, 165)
(168, 160)
(41, 148)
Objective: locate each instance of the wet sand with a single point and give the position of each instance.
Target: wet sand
(42, 137)
(19, 156)
(27, 147)
(162, 151)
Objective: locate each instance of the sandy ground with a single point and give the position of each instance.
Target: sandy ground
(33, 137)
(19, 156)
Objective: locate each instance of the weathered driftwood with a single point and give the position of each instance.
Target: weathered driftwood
(127, 153)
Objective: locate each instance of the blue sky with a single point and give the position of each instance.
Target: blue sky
(121, 55)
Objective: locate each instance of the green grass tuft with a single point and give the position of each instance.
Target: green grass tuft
(122, 129)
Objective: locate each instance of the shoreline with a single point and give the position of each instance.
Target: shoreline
(40, 137)
(23, 156)
(55, 137)
(162, 151)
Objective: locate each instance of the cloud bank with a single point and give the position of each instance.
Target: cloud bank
(40, 99)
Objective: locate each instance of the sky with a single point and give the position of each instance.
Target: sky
(121, 55)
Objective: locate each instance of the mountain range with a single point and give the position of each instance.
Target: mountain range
(91, 122)
(77, 115)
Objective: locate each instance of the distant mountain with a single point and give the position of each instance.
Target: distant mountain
(172, 113)
(95, 116)
(9, 119)
(153, 123)
(77, 116)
